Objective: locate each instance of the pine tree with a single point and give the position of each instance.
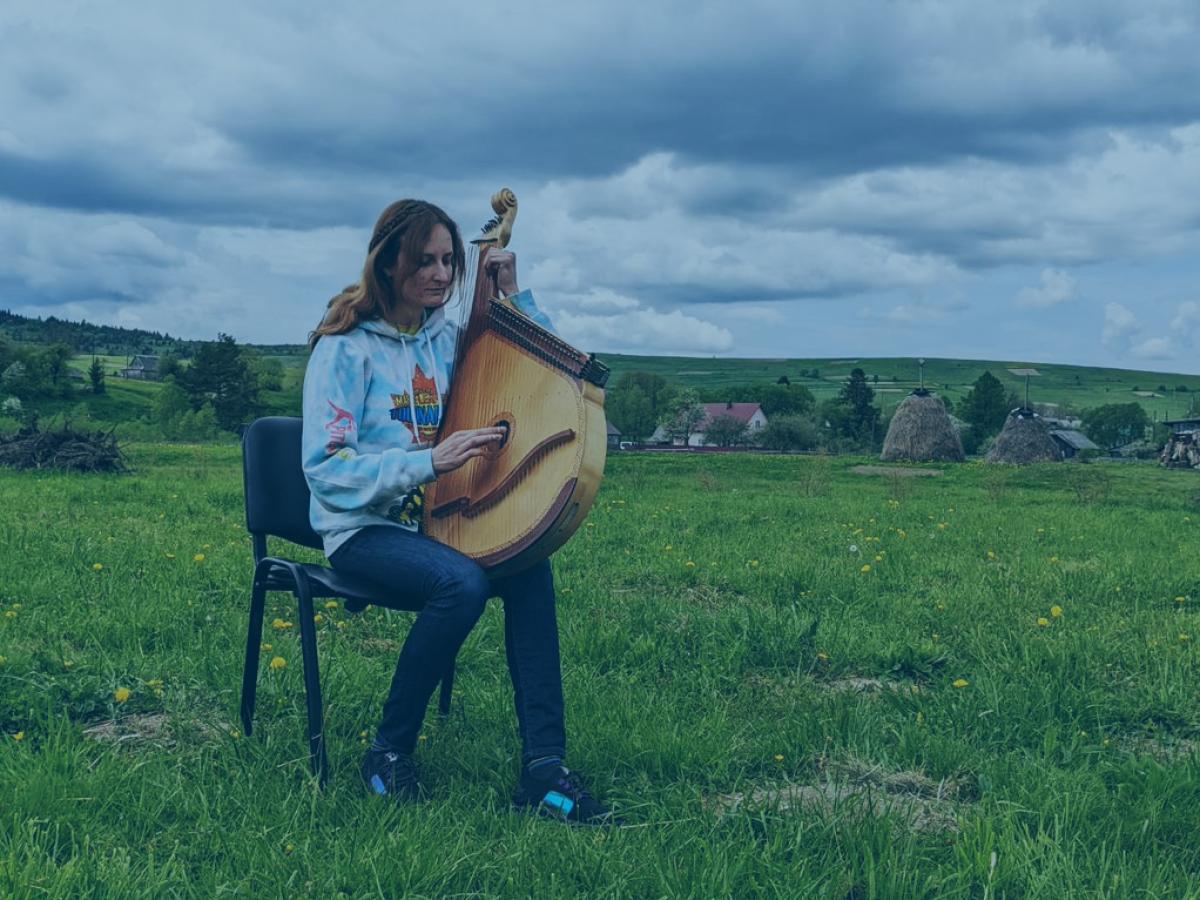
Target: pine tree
(96, 374)
(220, 375)
(986, 405)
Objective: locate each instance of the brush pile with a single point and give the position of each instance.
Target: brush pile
(64, 449)
(1182, 451)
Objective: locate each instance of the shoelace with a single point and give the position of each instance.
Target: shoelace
(403, 771)
(573, 785)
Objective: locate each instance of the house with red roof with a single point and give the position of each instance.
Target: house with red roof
(748, 415)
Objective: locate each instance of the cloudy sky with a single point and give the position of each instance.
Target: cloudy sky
(1015, 180)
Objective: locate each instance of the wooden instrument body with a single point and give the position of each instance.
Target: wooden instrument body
(520, 502)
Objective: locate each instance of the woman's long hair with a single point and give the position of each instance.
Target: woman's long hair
(399, 239)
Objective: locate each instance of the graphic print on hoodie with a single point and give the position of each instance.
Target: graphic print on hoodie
(425, 402)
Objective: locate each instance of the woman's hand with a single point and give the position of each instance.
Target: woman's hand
(464, 445)
(502, 265)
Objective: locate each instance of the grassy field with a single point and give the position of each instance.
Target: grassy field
(792, 679)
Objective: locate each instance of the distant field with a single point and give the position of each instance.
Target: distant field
(1081, 386)
(793, 680)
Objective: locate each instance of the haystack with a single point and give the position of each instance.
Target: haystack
(1024, 439)
(921, 431)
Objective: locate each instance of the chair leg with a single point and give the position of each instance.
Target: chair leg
(312, 682)
(258, 596)
(447, 687)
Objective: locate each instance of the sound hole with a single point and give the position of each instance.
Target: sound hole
(507, 426)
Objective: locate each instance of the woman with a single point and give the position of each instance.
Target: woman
(381, 369)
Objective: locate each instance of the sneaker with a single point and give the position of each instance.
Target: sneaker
(391, 774)
(560, 794)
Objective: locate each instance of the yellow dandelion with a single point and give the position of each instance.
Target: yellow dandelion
(341, 625)
(235, 734)
(169, 555)
(920, 718)
(1056, 611)
(19, 736)
(961, 682)
(822, 656)
(1184, 637)
(331, 604)
(942, 526)
(199, 557)
(901, 533)
(3, 660)
(778, 757)
(421, 738)
(281, 624)
(754, 563)
(278, 663)
(866, 568)
(67, 664)
(1043, 622)
(18, 606)
(878, 558)
(363, 735)
(10, 614)
(122, 694)
(318, 619)
(289, 847)
(941, 607)
(1181, 599)
(689, 564)
(1054, 559)
(266, 648)
(96, 567)
(667, 549)
(991, 554)
(936, 637)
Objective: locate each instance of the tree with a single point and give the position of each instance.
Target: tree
(1114, 424)
(783, 379)
(629, 409)
(985, 406)
(858, 417)
(725, 431)
(220, 375)
(656, 388)
(682, 415)
(789, 433)
(96, 374)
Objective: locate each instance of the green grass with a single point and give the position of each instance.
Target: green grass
(1068, 758)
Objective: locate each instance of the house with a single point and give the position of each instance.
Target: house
(1071, 442)
(749, 415)
(142, 368)
(1183, 426)
(614, 436)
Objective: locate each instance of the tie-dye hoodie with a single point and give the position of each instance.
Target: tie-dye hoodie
(373, 401)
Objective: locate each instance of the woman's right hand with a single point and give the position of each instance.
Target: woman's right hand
(464, 445)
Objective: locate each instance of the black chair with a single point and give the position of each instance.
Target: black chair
(277, 499)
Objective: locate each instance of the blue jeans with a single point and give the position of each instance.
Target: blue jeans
(454, 589)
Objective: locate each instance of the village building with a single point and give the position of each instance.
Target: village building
(748, 415)
(614, 436)
(142, 368)
(1071, 442)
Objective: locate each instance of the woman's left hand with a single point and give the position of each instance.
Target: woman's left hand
(502, 265)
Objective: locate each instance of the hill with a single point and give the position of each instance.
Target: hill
(892, 378)
(109, 340)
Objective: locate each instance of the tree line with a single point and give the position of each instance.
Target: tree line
(640, 403)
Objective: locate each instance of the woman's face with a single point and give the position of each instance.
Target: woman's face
(428, 285)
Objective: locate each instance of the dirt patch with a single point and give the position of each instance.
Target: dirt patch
(851, 791)
(899, 471)
(1165, 749)
(858, 685)
(155, 730)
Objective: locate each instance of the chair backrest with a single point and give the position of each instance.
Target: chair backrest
(273, 476)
